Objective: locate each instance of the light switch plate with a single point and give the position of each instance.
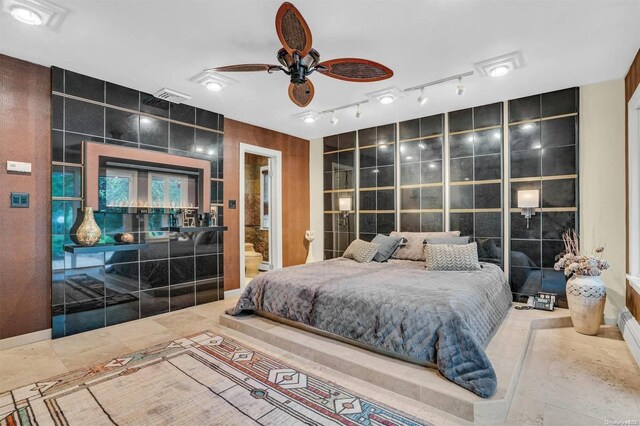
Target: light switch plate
(232, 204)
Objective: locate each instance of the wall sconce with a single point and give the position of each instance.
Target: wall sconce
(344, 205)
(528, 203)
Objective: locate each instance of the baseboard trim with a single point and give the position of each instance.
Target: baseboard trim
(630, 331)
(232, 293)
(25, 339)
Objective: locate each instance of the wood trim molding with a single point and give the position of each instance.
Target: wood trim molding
(94, 151)
(631, 82)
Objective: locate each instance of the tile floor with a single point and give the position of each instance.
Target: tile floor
(567, 378)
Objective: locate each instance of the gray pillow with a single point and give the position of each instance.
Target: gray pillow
(414, 247)
(386, 247)
(361, 251)
(458, 241)
(449, 257)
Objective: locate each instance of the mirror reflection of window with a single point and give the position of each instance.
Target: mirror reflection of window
(121, 187)
(265, 188)
(169, 190)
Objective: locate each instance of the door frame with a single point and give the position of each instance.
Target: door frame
(275, 236)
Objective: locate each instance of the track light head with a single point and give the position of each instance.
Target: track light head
(460, 88)
(422, 99)
(358, 112)
(334, 119)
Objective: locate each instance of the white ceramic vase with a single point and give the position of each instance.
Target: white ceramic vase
(586, 297)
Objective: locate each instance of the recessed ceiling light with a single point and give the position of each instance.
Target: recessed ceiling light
(308, 117)
(408, 157)
(387, 96)
(499, 71)
(26, 16)
(212, 80)
(527, 126)
(500, 65)
(214, 86)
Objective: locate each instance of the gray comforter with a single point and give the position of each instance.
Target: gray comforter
(436, 318)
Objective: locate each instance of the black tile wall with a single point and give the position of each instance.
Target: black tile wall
(377, 152)
(544, 157)
(543, 140)
(421, 178)
(339, 182)
(475, 175)
(175, 270)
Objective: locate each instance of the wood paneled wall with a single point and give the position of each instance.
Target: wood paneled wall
(25, 234)
(631, 82)
(295, 193)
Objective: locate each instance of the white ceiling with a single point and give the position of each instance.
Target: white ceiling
(148, 45)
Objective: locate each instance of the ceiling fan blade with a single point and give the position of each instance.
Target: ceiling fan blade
(247, 67)
(301, 94)
(292, 29)
(354, 69)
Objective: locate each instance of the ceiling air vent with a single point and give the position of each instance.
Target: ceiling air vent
(171, 96)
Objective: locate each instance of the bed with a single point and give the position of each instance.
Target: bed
(440, 319)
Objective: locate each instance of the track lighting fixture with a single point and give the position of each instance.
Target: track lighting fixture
(422, 99)
(358, 112)
(334, 119)
(460, 88)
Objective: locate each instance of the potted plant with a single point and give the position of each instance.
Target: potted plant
(586, 292)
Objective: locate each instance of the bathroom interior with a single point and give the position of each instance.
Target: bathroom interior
(257, 215)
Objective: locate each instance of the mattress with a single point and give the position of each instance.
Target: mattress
(442, 319)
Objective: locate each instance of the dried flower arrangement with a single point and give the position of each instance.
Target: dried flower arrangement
(574, 263)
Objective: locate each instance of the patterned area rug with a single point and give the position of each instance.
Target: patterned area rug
(206, 379)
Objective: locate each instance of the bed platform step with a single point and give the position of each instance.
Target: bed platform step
(506, 350)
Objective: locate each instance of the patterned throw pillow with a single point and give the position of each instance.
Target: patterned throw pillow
(414, 247)
(449, 257)
(361, 251)
(387, 245)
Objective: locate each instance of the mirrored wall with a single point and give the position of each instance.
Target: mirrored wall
(421, 174)
(543, 140)
(339, 189)
(463, 170)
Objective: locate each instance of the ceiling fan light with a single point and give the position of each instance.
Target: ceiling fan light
(26, 16)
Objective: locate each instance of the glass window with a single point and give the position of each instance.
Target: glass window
(121, 187)
(169, 191)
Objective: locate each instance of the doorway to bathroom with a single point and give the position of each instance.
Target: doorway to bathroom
(260, 211)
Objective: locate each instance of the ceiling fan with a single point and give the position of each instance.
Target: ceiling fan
(299, 59)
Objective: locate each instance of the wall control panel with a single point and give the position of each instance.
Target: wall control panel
(18, 167)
